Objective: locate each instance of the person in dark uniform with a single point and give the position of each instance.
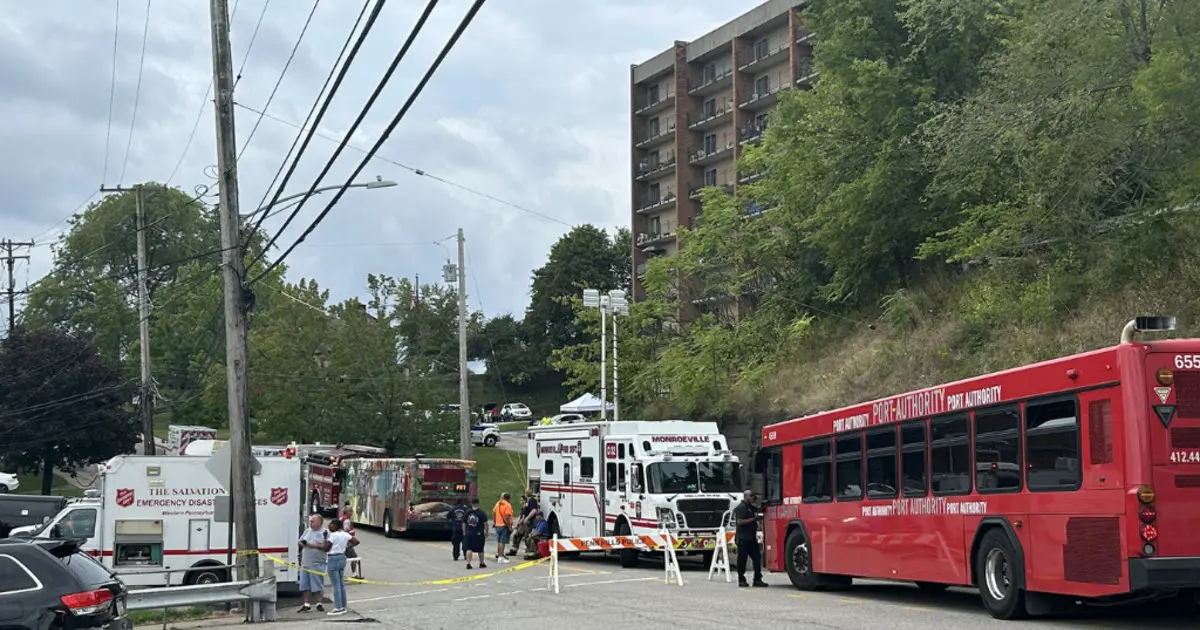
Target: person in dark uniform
(457, 516)
(529, 508)
(746, 539)
(474, 530)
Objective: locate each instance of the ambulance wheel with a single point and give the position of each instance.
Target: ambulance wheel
(629, 557)
(490, 441)
(387, 524)
(205, 575)
(999, 576)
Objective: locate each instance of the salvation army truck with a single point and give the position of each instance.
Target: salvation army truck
(156, 514)
(634, 478)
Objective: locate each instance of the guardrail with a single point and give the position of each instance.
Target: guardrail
(260, 593)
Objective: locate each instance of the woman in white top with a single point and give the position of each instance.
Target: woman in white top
(339, 542)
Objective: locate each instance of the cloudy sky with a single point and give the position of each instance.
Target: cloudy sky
(531, 108)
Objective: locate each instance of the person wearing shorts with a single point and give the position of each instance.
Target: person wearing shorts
(503, 513)
(314, 545)
(475, 533)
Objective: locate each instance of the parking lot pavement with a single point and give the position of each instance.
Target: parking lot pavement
(515, 441)
(598, 594)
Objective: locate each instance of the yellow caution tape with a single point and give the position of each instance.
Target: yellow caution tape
(442, 582)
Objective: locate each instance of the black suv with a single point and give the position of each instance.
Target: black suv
(53, 585)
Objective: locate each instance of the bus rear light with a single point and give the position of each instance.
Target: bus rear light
(1149, 533)
(1145, 494)
(1148, 515)
(1165, 377)
(1147, 549)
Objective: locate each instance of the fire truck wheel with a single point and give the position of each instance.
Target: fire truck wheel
(706, 558)
(629, 557)
(205, 575)
(998, 576)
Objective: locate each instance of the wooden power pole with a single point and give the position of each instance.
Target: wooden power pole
(10, 259)
(464, 389)
(241, 490)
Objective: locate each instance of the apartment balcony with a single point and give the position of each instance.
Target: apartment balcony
(711, 84)
(649, 107)
(713, 118)
(806, 37)
(648, 170)
(652, 205)
(765, 58)
(694, 191)
(806, 74)
(656, 237)
(702, 156)
(664, 135)
(759, 101)
(752, 133)
(750, 178)
(755, 209)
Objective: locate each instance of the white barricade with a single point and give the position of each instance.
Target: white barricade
(662, 541)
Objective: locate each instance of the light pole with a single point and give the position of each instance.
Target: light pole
(617, 305)
(378, 183)
(613, 303)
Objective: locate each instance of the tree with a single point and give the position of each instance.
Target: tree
(502, 345)
(64, 403)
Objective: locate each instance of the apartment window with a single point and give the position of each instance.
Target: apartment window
(710, 73)
(762, 48)
(652, 95)
(655, 226)
(881, 463)
(848, 467)
(654, 159)
(710, 177)
(587, 467)
(997, 450)
(816, 472)
(762, 85)
(654, 128)
(710, 144)
(912, 459)
(710, 108)
(654, 195)
(1052, 445)
(950, 455)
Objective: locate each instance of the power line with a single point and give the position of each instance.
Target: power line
(137, 94)
(462, 27)
(112, 89)
(250, 46)
(282, 73)
(68, 217)
(311, 110)
(412, 169)
(337, 83)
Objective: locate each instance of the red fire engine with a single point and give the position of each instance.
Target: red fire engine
(1072, 479)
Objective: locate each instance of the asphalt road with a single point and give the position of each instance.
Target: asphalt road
(515, 441)
(597, 594)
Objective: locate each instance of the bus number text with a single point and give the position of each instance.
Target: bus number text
(1187, 361)
(1185, 457)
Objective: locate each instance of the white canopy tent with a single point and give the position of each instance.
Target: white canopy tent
(586, 403)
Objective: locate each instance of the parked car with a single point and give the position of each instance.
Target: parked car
(53, 584)
(485, 434)
(515, 411)
(562, 418)
(8, 482)
(21, 510)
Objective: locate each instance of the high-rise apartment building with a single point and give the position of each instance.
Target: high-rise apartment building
(694, 108)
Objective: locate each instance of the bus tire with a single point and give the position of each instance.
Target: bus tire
(998, 576)
(798, 563)
(629, 557)
(206, 575)
(387, 524)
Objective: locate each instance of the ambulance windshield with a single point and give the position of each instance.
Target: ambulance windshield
(681, 477)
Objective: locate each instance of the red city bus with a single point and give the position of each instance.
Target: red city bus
(1074, 477)
(324, 476)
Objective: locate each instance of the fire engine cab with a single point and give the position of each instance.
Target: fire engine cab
(636, 477)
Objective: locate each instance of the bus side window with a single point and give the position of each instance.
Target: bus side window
(816, 471)
(998, 450)
(950, 455)
(912, 459)
(849, 467)
(881, 463)
(774, 474)
(1052, 445)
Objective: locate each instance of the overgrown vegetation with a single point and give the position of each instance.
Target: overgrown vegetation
(971, 185)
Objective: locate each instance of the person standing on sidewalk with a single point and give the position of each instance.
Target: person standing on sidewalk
(314, 546)
(503, 513)
(746, 539)
(340, 542)
(457, 516)
(475, 533)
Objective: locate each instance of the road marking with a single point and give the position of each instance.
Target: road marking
(399, 595)
(580, 569)
(800, 595)
(463, 599)
(444, 546)
(620, 581)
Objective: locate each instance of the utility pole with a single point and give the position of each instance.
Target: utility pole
(464, 392)
(241, 490)
(10, 260)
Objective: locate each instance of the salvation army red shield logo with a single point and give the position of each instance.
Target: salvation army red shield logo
(125, 497)
(279, 496)
(610, 451)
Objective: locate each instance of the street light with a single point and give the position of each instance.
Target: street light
(613, 303)
(378, 183)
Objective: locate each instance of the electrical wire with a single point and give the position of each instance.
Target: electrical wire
(437, 62)
(315, 124)
(250, 46)
(283, 73)
(66, 218)
(112, 90)
(137, 94)
(412, 169)
(311, 111)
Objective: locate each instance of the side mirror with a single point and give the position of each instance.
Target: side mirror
(56, 531)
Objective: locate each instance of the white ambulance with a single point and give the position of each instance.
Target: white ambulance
(155, 514)
(179, 436)
(636, 477)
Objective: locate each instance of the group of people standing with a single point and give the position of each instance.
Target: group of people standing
(469, 528)
(325, 550)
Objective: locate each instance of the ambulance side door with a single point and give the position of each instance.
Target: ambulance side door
(587, 508)
(618, 454)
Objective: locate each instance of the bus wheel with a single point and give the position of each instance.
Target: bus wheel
(998, 577)
(798, 563)
(205, 575)
(629, 557)
(387, 524)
